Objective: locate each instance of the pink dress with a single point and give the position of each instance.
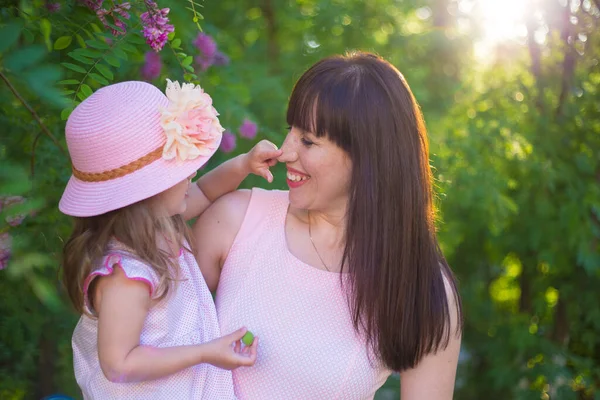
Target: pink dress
(308, 347)
(186, 316)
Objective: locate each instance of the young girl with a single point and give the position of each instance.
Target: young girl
(149, 326)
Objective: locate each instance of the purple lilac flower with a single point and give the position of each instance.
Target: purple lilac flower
(52, 7)
(152, 67)
(13, 220)
(156, 26)
(120, 9)
(93, 5)
(220, 59)
(206, 44)
(5, 249)
(248, 129)
(203, 63)
(228, 142)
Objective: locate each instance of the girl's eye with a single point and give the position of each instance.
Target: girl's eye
(306, 142)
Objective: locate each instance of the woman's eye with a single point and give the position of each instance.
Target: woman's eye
(306, 142)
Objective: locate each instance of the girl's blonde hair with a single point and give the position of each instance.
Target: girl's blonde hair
(137, 228)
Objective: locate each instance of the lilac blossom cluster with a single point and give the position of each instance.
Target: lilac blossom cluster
(11, 220)
(247, 130)
(209, 54)
(156, 25)
(119, 9)
(152, 66)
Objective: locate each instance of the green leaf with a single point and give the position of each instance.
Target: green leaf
(128, 47)
(64, 114)
(43, 80)
(67, 92)
(136, 39)
(171, 36)
(197, 4)
(95, 27)
(63, 42)
(24, 58)
(189, 67)
(90, 53)
(43, 76)
(120, 53)
(69, 82)
(87, 91)
(80, 58)
(104, 70)
(112, 60)
(81, 96)
(80, 40)
(99, 79)
(189, 77)
(45, 28)
(73, 67)
(97, 44)
(9, 34)
(187, 61)
(176, 43)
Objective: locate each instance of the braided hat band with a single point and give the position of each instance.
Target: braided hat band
(120, 171)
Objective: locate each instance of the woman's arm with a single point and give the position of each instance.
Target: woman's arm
(433, 378)
(122, 305)
(229, 175)
(215, 231)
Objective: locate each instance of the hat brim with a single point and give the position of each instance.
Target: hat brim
(88, 199)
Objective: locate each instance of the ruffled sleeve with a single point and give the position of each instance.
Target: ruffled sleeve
(133, 268)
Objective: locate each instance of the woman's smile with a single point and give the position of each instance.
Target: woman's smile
(296, 178)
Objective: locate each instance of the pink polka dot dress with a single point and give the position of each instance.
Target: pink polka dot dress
(308, 347)
(186, 316)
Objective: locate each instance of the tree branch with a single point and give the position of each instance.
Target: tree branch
(568, 61)
(33, 113)
(536, 65)
(273, 49)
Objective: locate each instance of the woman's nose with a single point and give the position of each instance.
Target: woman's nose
(289, 154)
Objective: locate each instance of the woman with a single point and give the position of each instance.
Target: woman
(341, 277)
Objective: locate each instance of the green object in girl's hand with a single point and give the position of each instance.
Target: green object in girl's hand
(248, 338)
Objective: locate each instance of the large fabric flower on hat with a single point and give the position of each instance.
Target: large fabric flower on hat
(190, 122)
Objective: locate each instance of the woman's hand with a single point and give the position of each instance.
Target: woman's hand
(262, 156)
(226, 352)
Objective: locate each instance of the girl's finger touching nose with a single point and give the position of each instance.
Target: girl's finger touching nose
(288, 156)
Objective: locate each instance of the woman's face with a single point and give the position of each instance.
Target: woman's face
(173, 201)
(318, 171)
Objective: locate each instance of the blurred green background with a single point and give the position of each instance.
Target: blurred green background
(510, 93)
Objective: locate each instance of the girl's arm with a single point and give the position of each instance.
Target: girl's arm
(122, 305)
(229, 175)
(433, 378)
(215, 231)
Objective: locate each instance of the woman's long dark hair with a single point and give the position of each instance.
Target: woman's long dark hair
(397, 293)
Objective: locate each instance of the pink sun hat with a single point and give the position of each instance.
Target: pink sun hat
(129, 142)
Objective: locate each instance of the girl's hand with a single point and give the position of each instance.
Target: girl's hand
(261, 157)
(226, 352)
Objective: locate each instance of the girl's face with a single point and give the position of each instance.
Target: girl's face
(318, 171)
(173, 201)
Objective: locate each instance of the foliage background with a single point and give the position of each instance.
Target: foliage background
(515, 143)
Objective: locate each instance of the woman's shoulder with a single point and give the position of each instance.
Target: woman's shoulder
(231, 208)
(234, 213)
